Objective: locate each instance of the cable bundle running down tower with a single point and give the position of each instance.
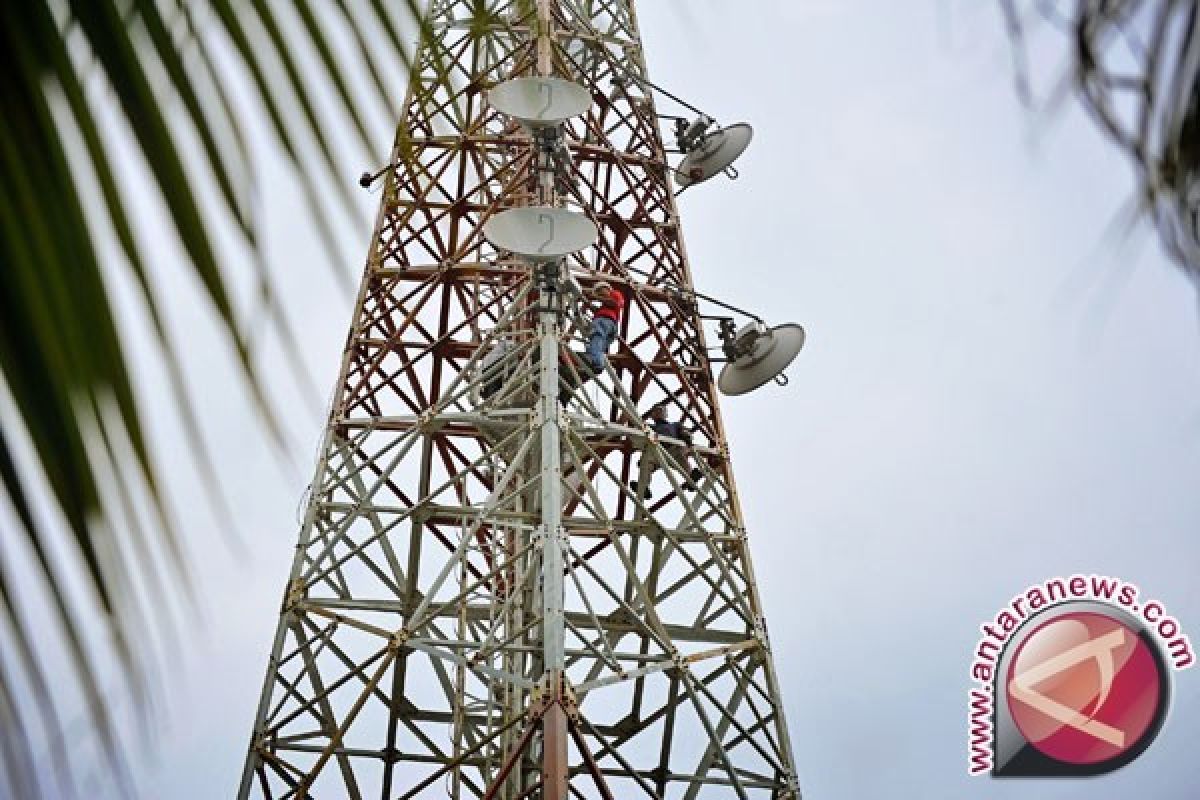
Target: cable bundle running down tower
(510, 582)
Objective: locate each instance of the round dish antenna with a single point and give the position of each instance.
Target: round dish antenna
(762, 354)
(540, 102)
(713, 154)
(540, 233)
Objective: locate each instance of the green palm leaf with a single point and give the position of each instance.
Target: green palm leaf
(64, 376)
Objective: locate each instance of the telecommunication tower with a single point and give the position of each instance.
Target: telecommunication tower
(509, 582)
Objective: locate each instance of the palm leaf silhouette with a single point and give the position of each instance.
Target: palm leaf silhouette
(1135, 68)
(66, 386)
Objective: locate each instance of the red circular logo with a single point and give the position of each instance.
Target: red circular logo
(1084, 688)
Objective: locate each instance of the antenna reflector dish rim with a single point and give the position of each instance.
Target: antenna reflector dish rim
(540, 102)
(773, 352)
(715, 154)
(540, 233)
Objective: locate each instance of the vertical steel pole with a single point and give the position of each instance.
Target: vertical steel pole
(554, 755)
(553, 633)
(554, 731)
(554, 723)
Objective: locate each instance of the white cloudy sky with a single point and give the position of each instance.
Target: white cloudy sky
(992, 393)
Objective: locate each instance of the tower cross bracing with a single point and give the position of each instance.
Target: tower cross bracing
(483, 602)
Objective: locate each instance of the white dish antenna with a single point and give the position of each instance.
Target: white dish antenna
(540, 233)
(714, 154)
(765, 354)
(540, 102)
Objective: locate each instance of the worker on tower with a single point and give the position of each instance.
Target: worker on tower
(661, 425)
(606, 313)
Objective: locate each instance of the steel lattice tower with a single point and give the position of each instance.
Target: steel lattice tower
(480, 605)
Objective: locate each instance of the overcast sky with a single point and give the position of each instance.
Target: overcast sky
(992, 392)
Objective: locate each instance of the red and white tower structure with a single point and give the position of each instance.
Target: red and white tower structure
(508, 584)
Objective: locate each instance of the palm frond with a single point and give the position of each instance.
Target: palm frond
(1135, 67)
(72, 427)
